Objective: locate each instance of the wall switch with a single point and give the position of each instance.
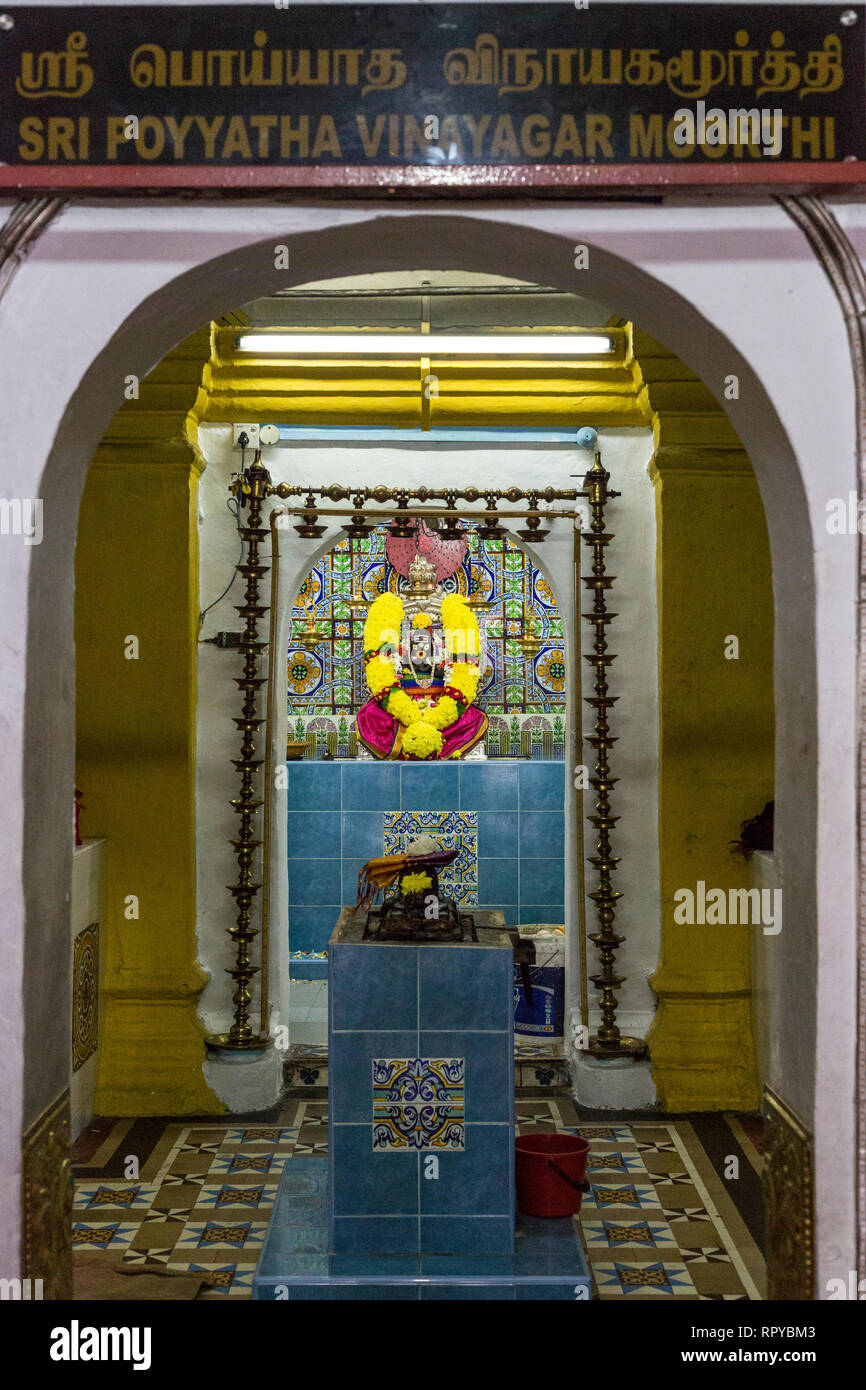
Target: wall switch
(251, 432)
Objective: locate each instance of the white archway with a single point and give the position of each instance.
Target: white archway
(689, 276)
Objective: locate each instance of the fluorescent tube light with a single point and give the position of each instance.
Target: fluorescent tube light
(429, 344)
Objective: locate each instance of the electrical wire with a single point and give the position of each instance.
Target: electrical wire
(234, 506)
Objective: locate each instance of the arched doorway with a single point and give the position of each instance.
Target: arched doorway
(163, 318)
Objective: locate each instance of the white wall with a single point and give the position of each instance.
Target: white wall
(730, 287)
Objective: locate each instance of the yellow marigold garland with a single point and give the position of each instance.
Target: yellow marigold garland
(415, 883)
(380, 674)
(459, 627)
(403, 707)
(465, 677)
(442, 714)
(421, 740)
(422, 737)
(384, 621)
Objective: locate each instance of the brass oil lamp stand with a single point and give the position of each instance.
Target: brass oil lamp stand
(608, 1042)
(251, 492)
(252, 489)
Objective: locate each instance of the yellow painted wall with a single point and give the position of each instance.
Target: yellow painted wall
(716, 734)
(137, 575)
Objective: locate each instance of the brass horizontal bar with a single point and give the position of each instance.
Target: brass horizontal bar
(386, 514)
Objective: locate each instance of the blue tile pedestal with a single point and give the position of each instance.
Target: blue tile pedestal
(546, 1264)
(416, 1198)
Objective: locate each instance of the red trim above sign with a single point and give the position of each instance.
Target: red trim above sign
(794, 177)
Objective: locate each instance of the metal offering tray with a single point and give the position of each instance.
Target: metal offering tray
(393, 922)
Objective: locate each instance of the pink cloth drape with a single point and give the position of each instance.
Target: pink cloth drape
(379, 730)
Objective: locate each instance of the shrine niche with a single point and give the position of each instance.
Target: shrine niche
(522, 692)
(422, 649)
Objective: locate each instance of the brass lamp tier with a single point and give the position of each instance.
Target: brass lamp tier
(530, 643)
(241, 1036)
(310, 638)
(608, 1042)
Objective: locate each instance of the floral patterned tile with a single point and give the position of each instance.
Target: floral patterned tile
(454, 830)
(418, 1103)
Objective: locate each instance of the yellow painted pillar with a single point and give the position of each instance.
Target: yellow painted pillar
(715, 754)
(136, 631)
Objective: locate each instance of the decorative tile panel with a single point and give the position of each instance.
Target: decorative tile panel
(330, 680)
(453, 830)
(418, 1104)
(85, 1001)
(540, 737)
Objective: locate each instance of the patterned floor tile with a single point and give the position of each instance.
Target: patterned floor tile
(609, 1235)
(659, 1146)
(639, 1196)
(653, 1222)
(219, 1196)
(113, 1197)
(225, 1280)
(159, 1232)
(599, 1134)
(659, 1279)
(668, 1208)
(272, 1137)
(263, 1163)
(112, 1235)
(673, 1213)
(173, 1202)
(210, 1235)
(613, 1162)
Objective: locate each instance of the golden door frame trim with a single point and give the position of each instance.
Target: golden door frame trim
(47, 1200)
(789, 1202)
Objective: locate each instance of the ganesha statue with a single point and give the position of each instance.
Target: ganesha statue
(421, 650)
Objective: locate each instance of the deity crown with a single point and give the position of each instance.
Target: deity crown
(424, 595)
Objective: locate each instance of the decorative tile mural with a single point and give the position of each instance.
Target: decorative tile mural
(453, 830)
(418, 1103)
(536, 736)
(85, 984)
(330, 680)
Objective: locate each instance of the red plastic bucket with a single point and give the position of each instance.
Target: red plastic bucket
(549, 1174)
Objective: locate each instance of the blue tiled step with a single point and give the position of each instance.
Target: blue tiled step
(547, 1264)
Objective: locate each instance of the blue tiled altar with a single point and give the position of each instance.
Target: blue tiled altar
(416, 1199)
(421, 1104)
(340, 813)
(295, 1264)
